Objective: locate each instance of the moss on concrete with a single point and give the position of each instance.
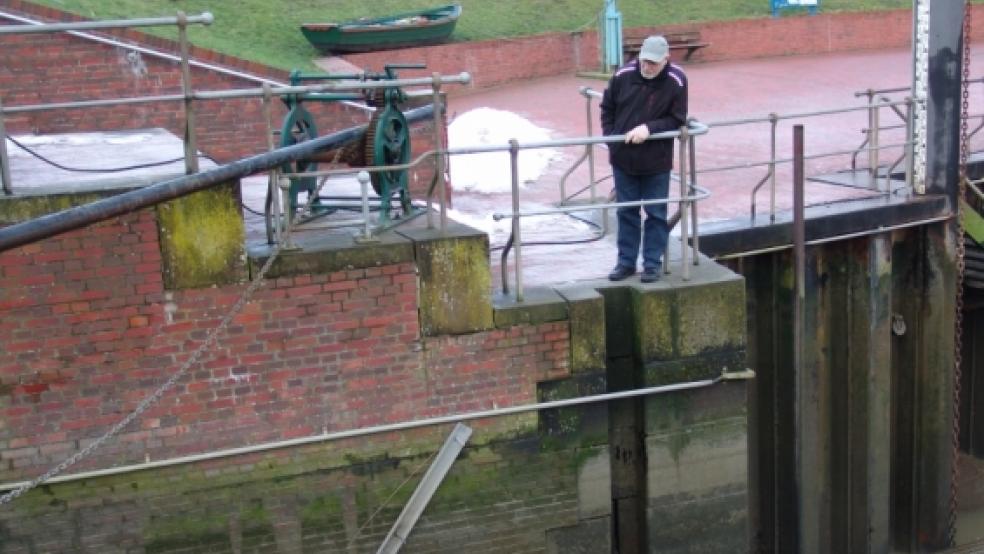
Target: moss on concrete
(688, 320)
(585, 425)
(322, 254)
(455, 280)
(586, 312)
(17, 209)
(202, 238)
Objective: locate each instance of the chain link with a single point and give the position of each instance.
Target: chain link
(155, 396)
(958, 316)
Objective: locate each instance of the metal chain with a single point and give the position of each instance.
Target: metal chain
(958, 316)
(157, 394)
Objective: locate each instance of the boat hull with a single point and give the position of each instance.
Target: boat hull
(382, 35)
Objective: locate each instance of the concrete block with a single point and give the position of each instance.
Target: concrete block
(202, 237)
(586, 313)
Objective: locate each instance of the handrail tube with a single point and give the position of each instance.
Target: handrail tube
(787, 160)
(205, 18)
(774, 120)
(4, 159)
(462, 78)
(399, 426)
(905, 89)
(702, 193)
(732, 122)
(74, 218)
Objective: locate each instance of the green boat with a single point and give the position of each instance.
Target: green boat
(403, 30)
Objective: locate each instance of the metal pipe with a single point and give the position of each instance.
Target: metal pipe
(190, 142)
(731, 122)
(684, 247)
(835, 238)
(800, 399)
(363, 178)
(774, 121)
(27, 108)
(518, 256)
(908, 143)
(873, 147)
(74, 218)
(205, 18)
(590, 151)
(439, 164)
(392, 427)
(4, 159)
(788, 160)
(702, 193)
(693, 205)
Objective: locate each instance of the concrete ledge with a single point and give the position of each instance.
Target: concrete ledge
(541, 305)
(327, 253)
(586, 312)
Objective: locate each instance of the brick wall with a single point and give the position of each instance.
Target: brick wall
(87, 330)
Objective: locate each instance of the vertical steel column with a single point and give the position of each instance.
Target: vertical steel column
(873, 145)
(190, 144)
(518, 244)
(693, 205)
(683, 207)
(439, 159)
(801, 396)
(4, 159)
(908, 142)
(920, 91)
(774, 123)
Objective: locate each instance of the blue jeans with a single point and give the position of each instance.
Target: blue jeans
(632, 188)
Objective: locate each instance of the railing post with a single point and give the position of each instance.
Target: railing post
(684, 205)
(590, 152)
(190, 144)
(908, 142)
(4, 159)
(518, 241)
(873, 143)
(439, 159)
(693, 205)
(363, 178)
(774, 121)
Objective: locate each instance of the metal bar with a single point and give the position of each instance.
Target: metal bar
(702, 193)
(835, 238)
(4, 159)
(800, 395)
(439, 164)
(907, 89)
(684, 249)
(590, 152)
(256, 92)
(27, 108)
(732, 122)
(908, 143)
(74, 218)
(693, 205)
(363, 178)
(788, 160)
(873, 147)
(436, 473)
(516, 228)
(190, 142)
(401, 426)
(205, 18)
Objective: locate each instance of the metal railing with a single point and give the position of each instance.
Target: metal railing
(181, 21)
(690, 194)
(873, 148)
(188, 95)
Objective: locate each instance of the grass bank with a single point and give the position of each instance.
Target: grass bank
(268, 32)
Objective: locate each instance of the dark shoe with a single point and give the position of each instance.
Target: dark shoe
(651, 275)
(621, 272)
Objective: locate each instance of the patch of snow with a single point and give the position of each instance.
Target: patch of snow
(490, 172)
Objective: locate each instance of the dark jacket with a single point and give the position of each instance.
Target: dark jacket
(660, 103)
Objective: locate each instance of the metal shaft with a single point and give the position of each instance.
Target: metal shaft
(205, 18)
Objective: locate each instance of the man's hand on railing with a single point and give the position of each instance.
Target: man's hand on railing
(638, 135)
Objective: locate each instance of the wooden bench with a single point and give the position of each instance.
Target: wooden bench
(687, 42)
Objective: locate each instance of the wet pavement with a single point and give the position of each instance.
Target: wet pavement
(719, 93)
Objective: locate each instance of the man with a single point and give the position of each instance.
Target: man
(648, 95)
